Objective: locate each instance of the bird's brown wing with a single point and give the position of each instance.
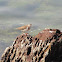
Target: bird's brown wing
(22, 28)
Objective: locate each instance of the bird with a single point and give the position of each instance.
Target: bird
(24, 28)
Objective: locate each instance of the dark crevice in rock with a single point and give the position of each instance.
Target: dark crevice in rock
(35, 53)
(29, 51)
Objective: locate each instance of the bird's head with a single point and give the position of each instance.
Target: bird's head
(29, 25)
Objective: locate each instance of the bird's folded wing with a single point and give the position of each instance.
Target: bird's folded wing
(22, 28)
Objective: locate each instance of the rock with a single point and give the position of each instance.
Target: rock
(44, 47)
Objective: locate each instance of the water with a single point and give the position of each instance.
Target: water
(40, 13)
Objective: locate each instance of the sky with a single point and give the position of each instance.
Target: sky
(37, 12)
(34, 9)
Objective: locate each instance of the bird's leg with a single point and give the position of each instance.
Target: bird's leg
(23, 32)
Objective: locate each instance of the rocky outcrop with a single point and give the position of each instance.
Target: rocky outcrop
(44, 47)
